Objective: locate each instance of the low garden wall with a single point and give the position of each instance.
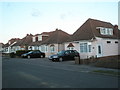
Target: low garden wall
(107, 62)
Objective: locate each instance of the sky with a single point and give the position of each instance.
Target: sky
(18, 18)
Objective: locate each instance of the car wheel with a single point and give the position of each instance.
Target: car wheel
(53, 60)
(60, 59)
(28, 56)
(42, 56)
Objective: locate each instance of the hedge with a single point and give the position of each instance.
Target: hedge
(12, 55)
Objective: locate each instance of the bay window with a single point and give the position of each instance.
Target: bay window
(85, 47)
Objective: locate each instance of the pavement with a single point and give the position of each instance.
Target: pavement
(89, 68)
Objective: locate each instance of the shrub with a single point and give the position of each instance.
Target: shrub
(12, 55)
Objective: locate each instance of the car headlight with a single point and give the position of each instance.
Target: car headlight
(24, 55)
(49, 57)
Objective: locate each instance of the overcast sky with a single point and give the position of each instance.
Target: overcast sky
(19, 18)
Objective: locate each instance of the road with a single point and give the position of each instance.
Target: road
(42, 73)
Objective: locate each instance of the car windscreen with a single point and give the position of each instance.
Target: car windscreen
(30, 52)
(61, 53)
(75, 51)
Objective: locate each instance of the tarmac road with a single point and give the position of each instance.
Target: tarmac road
(42, 73)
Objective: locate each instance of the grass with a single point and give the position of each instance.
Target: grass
(108, 72)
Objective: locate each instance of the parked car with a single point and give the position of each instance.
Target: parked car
(64, 55)
(33, 54)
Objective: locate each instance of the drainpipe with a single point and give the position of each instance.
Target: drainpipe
(58, 47)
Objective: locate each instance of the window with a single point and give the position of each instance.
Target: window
(52, 48)
(33, 39)
(108, 41)
(110, 31)
(35, 47)
(83, 47)
(102, 30)
(106, 31)
(89, 48)
(46, 48)
(40, 38)
(71, 48)
(42, 48)
(99, 49)
(36, 38)
(116, 41)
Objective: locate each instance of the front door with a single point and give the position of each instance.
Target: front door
(99, 50)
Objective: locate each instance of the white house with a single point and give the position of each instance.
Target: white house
(7, 48)
(95, 38)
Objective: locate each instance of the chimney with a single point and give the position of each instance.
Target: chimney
(116, 26)
(56, 29)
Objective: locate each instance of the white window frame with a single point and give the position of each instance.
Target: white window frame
(106, 31)
(89, 48)
(83, 47)
(43, 48)
(40, 38)
(46, 48)
(111, 31)
(52, 48)
(70, 48)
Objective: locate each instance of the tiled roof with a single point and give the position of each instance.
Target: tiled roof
(25, 41)
(35, 43)
(88, 30)
(6, 45)
(1, 44)
(47, 33)
(38, 43)
(57, 36)
(70, 45)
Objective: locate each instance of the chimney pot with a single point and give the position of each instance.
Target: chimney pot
(116, 26)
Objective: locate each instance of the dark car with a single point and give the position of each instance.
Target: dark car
(33, 54)
(64, 55)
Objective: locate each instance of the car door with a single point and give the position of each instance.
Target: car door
(67, 55)
(72, 54)
(38, 54)
(34, 54)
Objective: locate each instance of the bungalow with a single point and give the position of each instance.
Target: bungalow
(7, 46)
(95, 38)
(37, 39)
(54, 43)
(22, 44)
(49, 42)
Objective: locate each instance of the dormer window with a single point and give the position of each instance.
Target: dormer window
(105, 31)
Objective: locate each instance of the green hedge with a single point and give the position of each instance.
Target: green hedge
(20, 52)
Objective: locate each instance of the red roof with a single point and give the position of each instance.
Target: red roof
(70, 45)
(88, 30)
(57, 36)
